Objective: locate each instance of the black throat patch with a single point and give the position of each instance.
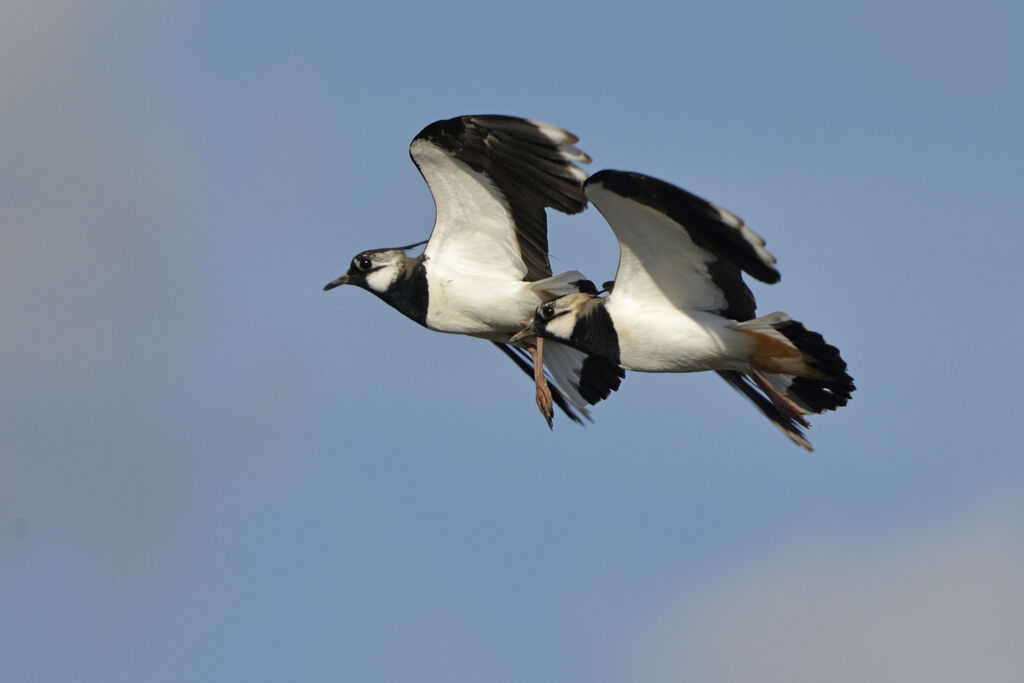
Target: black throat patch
(595, 333)
(409, 293)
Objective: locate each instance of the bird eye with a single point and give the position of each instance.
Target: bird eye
(547, 311)
(363, 263)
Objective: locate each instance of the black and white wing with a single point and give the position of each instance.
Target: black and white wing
(492, 178)
(678, 247)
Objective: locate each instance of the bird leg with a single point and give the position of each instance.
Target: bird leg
(781, 401)
(544, 401)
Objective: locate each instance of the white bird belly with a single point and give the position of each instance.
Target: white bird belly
(480, 306)
(656, 339)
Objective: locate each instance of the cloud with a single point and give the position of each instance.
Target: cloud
(946, 604)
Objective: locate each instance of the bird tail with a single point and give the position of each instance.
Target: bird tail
(798, 372)
(799, 362)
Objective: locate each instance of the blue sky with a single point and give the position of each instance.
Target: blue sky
(212, 470)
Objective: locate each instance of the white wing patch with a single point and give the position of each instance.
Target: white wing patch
(473, 230)
(658, 262)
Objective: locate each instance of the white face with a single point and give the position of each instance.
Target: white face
(558, 317)
(379, 269)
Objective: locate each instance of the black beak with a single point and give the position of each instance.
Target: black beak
(343, 280)
(525, 333)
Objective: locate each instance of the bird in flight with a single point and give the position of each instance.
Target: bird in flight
(679, 304)
(485, 267)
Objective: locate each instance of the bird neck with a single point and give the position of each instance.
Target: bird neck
(408, 293)
(595, 332)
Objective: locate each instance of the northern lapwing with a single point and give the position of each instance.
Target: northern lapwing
(485, 267)
(679, 304)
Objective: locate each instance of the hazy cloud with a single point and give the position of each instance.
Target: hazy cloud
(942, 604)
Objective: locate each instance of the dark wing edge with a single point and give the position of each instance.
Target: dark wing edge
(533, 164)
(598, 379)
(736, 247)
(786, 425)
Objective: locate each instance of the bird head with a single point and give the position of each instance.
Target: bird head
(375, 270)
(556, 319)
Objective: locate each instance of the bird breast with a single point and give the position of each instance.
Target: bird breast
(476, 305)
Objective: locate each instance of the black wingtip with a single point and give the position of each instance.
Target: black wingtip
(599, 378)
(710, 227)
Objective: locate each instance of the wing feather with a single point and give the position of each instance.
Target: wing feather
(522, 358)
(678, 247)
(492, 178)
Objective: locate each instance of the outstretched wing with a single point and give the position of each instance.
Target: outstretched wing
(492, 178)
(678, 247)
